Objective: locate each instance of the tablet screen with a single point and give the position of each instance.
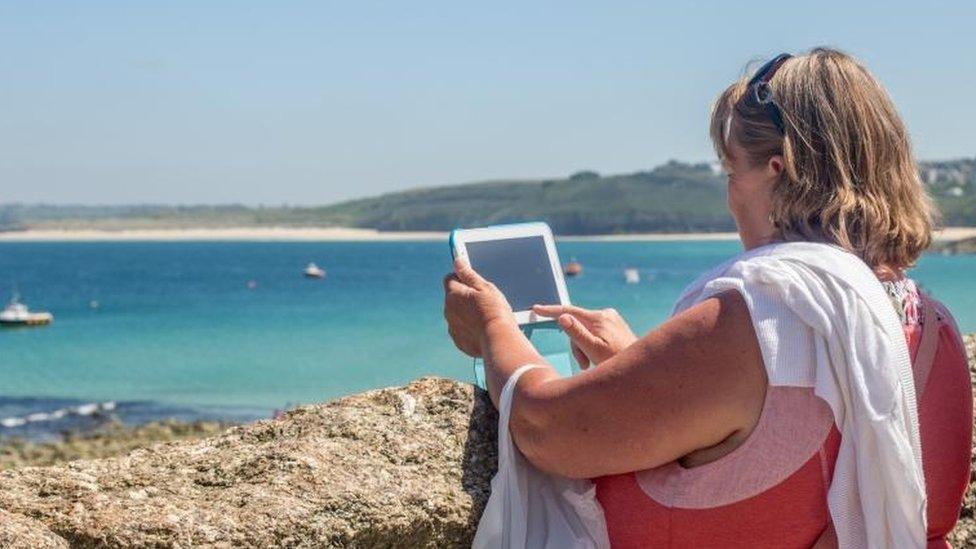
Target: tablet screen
(520, 268)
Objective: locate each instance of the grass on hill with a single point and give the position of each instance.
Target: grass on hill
(674, 197)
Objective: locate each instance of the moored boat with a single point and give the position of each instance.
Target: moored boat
(314, 271)
(17, 314)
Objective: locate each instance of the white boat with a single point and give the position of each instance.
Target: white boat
(16, 314)
(632, 276)
(314, 271)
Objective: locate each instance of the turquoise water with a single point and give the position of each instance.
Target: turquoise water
(178, 331)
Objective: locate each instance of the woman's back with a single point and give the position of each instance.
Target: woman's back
(772, 490)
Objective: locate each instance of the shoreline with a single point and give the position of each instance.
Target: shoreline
(340, 234)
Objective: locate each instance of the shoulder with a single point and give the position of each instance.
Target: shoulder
(948, 328)
(949, 334)
(944, 316)
(723, 311)
(770, 266)
(716, 337)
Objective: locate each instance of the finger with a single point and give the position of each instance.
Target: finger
(553, 311)
(447, 278)
(467, 274)
(455, 286)
(549, 310)
(580, 356)
(578, 333)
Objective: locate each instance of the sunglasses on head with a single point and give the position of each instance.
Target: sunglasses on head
(760, 91)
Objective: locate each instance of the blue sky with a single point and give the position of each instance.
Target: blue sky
(314, 102)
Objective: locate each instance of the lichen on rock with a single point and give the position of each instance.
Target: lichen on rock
(20, 532)
(964, 534)
(394, 467)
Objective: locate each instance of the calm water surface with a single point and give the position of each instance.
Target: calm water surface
(177, 332)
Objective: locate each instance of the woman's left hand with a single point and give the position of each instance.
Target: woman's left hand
(471, 304)
(596, 335)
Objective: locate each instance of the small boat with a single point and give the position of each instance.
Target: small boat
(16, 314)
(632, 276)
(314, 271)
(573, 268)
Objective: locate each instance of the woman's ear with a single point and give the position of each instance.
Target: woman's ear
(774, 166)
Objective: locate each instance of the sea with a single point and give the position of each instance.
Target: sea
(233, 331)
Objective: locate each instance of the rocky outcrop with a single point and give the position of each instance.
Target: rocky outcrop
(110, 439)
(18, 531)
(389, 468)
(400, 467)
(964, 534)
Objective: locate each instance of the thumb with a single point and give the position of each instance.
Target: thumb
(468, 275)
(580, 335)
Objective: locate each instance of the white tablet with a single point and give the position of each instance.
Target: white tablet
(521, 260)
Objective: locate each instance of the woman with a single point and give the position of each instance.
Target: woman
(691, 434)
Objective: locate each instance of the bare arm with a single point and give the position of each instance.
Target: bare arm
(694, 382)
(690, 384)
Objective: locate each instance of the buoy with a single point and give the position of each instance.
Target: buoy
(314, 271)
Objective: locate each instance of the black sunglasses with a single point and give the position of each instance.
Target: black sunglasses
(762, 94)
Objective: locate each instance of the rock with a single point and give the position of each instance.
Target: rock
(394, 467)
(964, 535)
(110, 439)
(18, 531)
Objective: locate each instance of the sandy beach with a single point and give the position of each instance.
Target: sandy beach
(306, 234)
(327, 234)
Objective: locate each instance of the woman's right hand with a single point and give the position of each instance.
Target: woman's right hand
(595, 335)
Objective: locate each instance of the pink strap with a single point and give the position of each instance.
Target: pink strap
(925, 356)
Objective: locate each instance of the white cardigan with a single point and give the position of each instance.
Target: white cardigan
(823, 320)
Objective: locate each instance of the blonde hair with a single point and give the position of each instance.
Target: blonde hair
(849, 175)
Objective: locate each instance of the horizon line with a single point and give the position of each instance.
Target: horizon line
(512, 179)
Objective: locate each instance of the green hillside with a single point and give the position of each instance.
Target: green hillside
(674, 197)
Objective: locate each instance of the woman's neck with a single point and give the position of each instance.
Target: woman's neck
(754, 239)
(887, 274)
(756, 229)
